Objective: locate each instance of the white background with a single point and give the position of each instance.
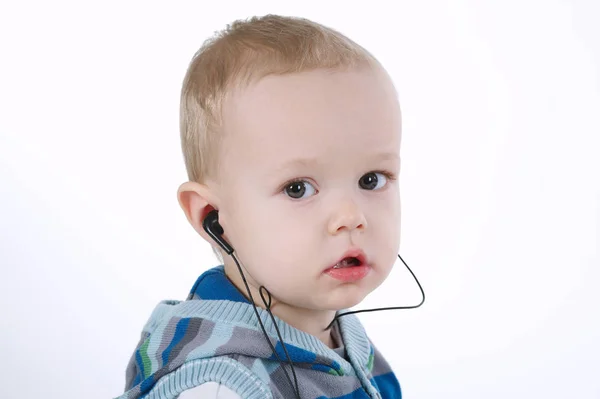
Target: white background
(499, 185)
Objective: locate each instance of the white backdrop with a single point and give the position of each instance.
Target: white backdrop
(499, 185)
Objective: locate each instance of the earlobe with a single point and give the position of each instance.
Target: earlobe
(196, 200)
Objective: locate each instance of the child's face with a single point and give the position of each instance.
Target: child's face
(332, 133)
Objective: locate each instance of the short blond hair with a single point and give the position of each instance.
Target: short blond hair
(244, 52)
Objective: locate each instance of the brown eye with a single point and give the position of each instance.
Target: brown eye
(372, 181)
(298, 189)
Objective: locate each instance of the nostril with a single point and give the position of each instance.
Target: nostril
(360, 226)
(347, 221)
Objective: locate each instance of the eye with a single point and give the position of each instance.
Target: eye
(298, 189)
(373, 181)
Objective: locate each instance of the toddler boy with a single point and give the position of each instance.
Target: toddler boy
(291, 131)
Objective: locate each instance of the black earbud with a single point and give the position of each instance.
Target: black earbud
(215, 230)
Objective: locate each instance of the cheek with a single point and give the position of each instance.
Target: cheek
(386, 226)
(272, 240)
(286, 241)
(387, 210)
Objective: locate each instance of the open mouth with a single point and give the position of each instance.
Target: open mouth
(349, 261)
(351, 268)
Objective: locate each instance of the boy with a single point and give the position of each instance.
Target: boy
(292, 132)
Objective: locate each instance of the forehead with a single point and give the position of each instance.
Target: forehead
(317, 114)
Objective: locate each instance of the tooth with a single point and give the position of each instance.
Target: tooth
(348, 262)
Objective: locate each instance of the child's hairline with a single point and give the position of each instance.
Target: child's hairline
(239, 84)
(242, 55)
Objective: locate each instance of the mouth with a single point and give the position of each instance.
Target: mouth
(352, 258)
(350, 268)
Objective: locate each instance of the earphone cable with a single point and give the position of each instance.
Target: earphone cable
(215, 230)
(268, 306)
(387, 308)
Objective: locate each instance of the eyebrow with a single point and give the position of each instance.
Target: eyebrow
(387, 156)
(299, 162)
(313, 161)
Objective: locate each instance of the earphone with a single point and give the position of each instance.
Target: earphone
(214, 229)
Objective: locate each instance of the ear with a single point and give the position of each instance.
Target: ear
(196, 200)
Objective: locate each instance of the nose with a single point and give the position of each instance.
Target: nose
(347, 217)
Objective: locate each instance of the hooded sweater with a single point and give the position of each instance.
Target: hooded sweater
(214, 337)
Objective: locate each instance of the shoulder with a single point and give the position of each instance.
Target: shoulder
(209, 390)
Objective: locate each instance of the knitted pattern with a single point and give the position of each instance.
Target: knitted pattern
(214, 336)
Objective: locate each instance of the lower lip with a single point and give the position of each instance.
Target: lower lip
(349, 274)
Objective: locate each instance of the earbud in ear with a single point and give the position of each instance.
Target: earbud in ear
(215, 230)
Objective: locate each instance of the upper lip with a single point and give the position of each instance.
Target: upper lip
(352, 253)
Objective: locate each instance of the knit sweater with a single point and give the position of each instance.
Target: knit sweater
(214, 336)
(214, 390)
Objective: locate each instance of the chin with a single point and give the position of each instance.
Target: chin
(347, 301)
(350, 295)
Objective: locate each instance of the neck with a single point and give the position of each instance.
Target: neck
(308, 320)
(311, 321)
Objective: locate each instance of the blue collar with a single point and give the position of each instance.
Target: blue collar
(214, 284)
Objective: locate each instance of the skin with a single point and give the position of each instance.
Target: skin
(341, 126)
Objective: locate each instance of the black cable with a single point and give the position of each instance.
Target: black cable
(268, 308)
(267, 303)
(390, 308)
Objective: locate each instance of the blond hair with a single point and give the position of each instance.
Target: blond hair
(244, 52)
